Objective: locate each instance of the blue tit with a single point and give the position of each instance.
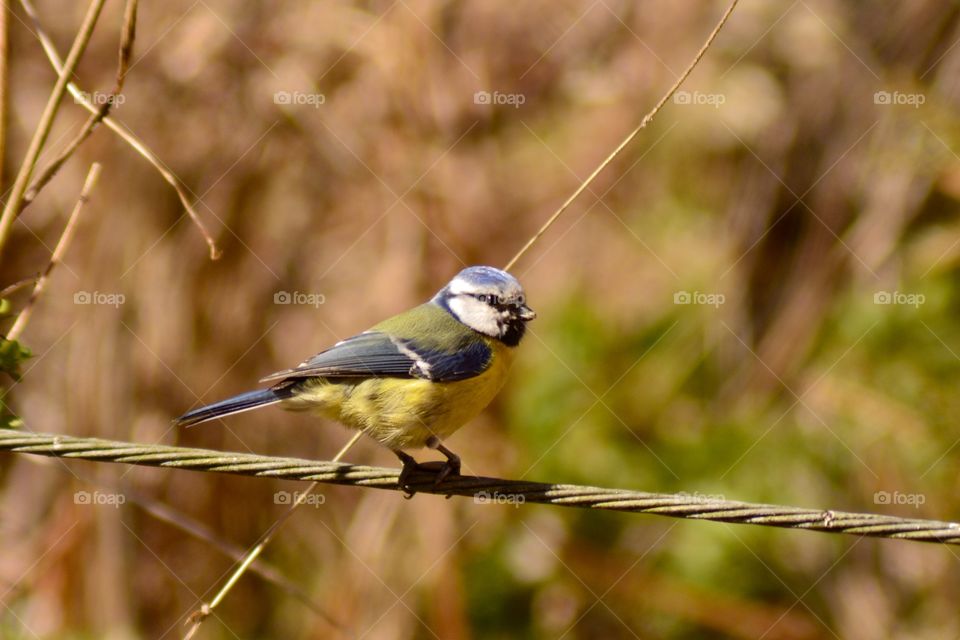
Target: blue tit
(413, 379)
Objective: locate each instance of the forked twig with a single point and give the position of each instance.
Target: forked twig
(42, 132)
(58, 253)
(125, 135)
(633, 134)
(127, 36)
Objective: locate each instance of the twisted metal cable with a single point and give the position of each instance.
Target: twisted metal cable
(492, 490)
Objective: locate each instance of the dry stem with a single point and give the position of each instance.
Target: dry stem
(58, 253)
(14, 201)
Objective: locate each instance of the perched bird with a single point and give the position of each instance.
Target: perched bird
(413, 379)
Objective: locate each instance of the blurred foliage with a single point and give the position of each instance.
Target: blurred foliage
(807, 183)
(12, 355)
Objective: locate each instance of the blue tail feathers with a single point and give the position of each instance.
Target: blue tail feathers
(236, 404)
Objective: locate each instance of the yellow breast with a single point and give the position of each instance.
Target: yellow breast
(404, 412)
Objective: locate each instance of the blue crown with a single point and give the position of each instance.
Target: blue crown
(487, 276)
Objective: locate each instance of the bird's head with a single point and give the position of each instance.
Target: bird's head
(489, 301)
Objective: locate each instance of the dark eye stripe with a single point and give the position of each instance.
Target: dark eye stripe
(496, 302)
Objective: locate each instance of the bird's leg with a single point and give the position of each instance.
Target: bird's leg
(409, 466)
(445, 469)
(451, 466)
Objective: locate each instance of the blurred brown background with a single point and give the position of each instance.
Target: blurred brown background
(801, 192)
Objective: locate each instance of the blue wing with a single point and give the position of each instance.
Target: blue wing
(374, 354)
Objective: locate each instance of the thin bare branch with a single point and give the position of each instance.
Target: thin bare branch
(647, 119)
(197, 617)
(181, 521)
(14, 201)
(55, 61)
(10, 289)
(4, 82)
(127, 36)
(58, 253)
(188, 525)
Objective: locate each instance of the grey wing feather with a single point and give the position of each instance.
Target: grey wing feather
(365, 355)
(374, 354)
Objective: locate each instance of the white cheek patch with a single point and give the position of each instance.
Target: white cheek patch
(458, 285)
(476, 315)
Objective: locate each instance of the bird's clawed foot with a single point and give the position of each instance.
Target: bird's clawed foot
(442, 470)
(451, 467)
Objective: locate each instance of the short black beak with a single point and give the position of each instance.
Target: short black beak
(526, 313)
